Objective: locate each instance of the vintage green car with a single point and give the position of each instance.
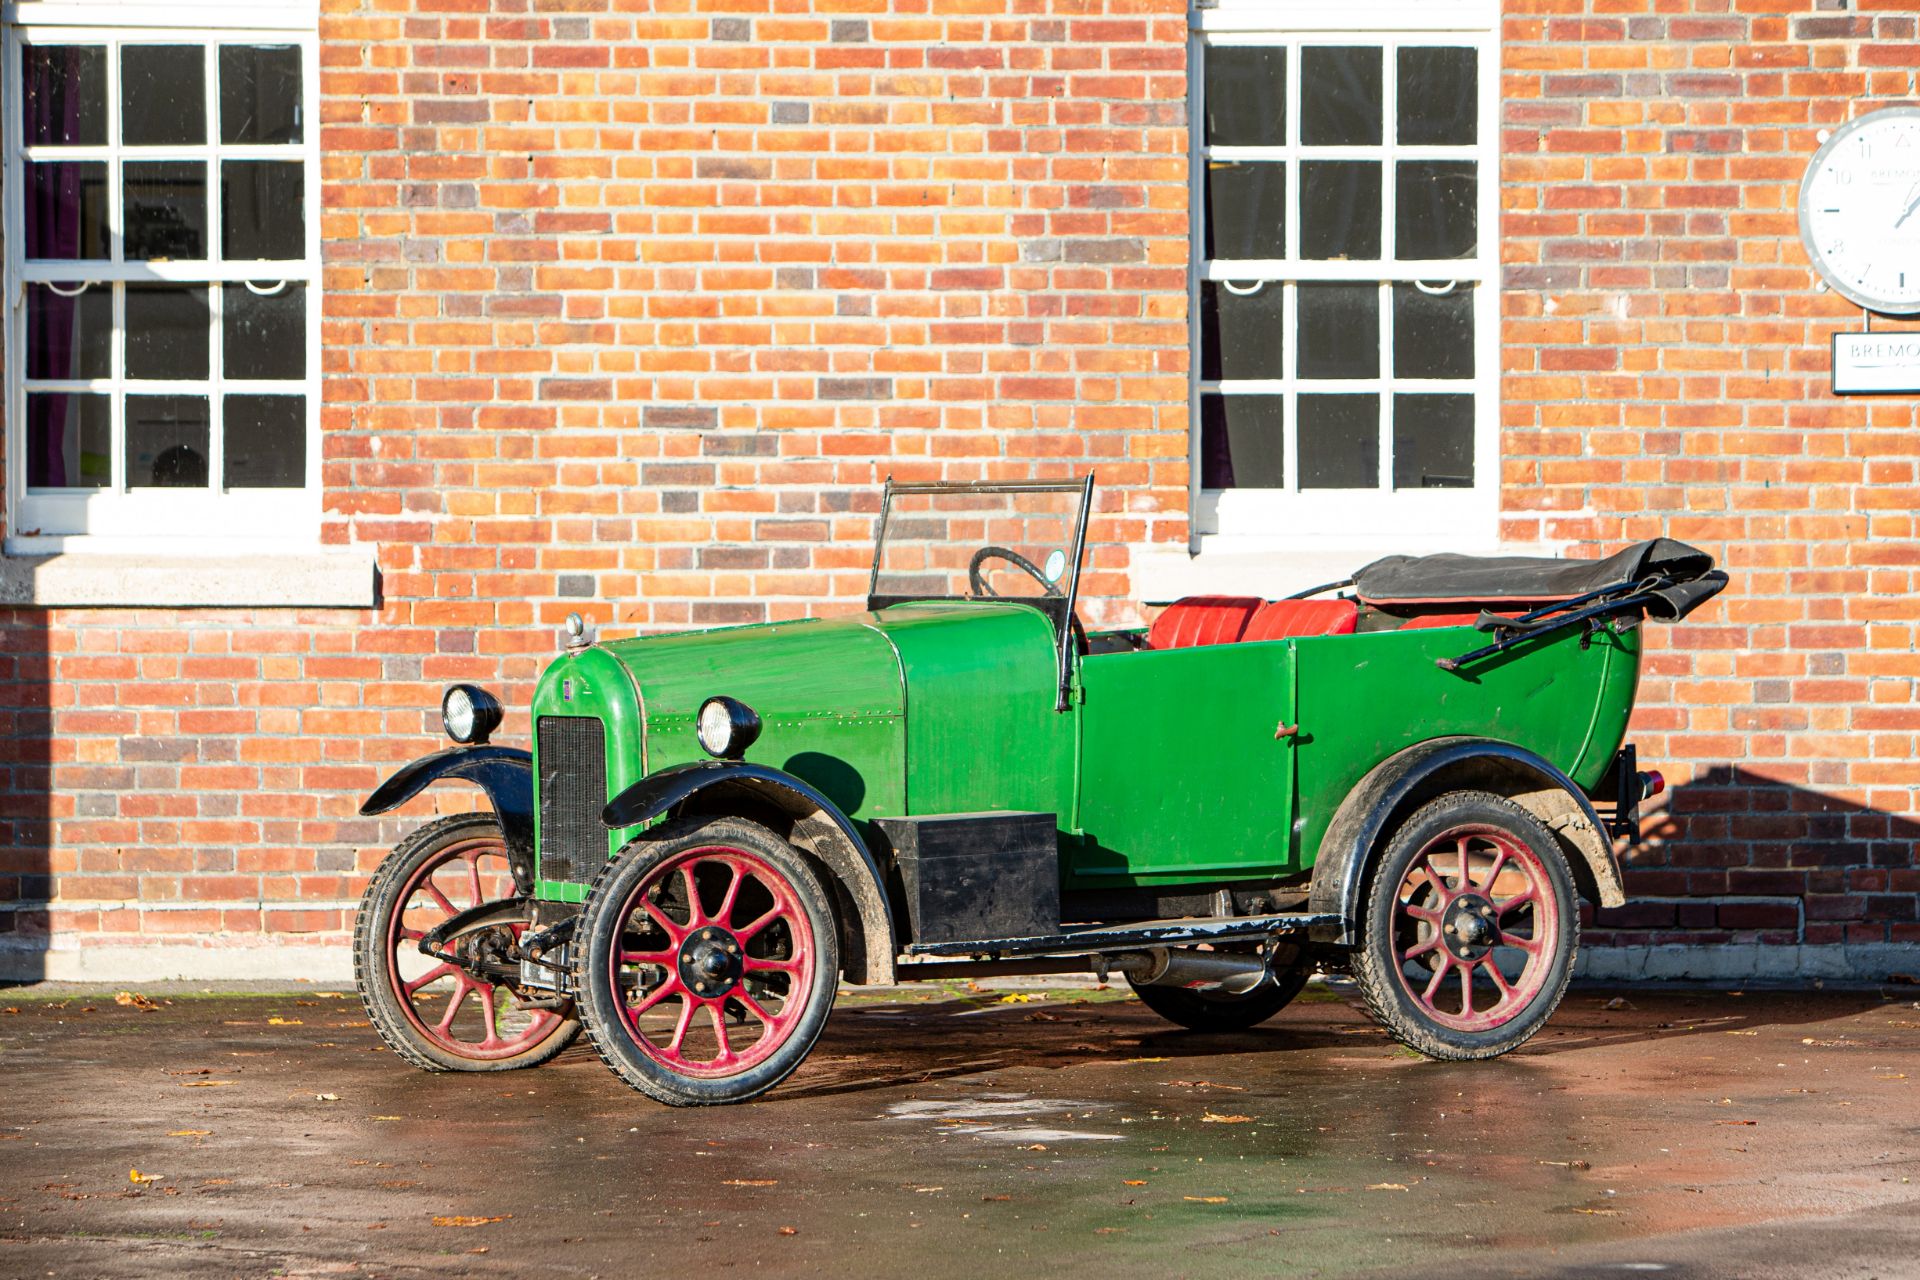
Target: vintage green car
(1414, 781)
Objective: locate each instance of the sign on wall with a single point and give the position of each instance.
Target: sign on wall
(1875, 363)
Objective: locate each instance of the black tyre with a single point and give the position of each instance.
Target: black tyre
(706, 962)
(1219, 1011)
(1471, 928)
(437, 1015)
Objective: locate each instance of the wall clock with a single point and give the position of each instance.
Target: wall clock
(1860, 211)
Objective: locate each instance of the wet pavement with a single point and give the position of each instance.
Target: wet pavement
(939, 1133)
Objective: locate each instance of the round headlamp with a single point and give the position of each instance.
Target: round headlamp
(469, 712)
(727, 727)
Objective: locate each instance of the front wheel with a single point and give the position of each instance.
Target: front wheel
(436, 1014)
(1471, 928)
(708, 962)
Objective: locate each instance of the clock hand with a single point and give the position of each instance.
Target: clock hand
(1911, 206)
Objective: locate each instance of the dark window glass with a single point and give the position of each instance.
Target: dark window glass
(1438, 97)
(166, 442)
(1243, 442)
(1435, 213)
(265, 335)
(1340, 209)
(1340, 96)
(167, 331)
(263, 209)
(1246, 96)
(163, 95)
(66, 209)
(1432, 441)
(70, 337)
(265, 441)
(63, 95)
(1240, 333)
(165, 209)
(69, 440)
(1432, 333)
(1339, 442)
(259, 94)
(1339, 331)
(1246, 209)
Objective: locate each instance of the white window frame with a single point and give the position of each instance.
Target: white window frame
(143, 520)
(1463, 518)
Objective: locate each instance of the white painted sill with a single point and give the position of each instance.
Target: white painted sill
(328, 578)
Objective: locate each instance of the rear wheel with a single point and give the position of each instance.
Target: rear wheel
(436, 1014)
(1199, 1010)
(706, 962)
(1471, 928)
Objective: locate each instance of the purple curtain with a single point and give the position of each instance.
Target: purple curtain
(54, 216)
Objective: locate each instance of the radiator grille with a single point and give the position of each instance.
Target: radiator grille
(573, 791)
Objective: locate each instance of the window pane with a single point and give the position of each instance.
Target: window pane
(1246, 209)
(1340, 209)
(1243, 442)
(1240, 333)
(266, 442)
(70, 337)
(265, 336)
(1246, 96)
(166, 442)
(263, 209)
(1339, 331)
(1435, 213)
(166, 209)
(63, 100)
(1432, 441)
(69, 441)
(66, 209)
(1339, 442)
(163, 94)
(1438, 97)
(259, 94)
(167, 331)
(1340, 96)
(1433, 333)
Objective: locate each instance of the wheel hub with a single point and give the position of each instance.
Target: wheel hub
(710, 961)
(1470, 928)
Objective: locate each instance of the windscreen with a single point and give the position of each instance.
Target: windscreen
(978, 543)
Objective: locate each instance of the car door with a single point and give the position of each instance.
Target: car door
(1181, 775)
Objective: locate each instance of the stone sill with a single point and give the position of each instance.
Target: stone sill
(325, 579)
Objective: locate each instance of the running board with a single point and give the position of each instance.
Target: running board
(1149, 933)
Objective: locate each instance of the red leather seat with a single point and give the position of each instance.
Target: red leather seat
(1198, 620)
(1285, 618)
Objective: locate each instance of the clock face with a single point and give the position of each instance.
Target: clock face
(1860, 211)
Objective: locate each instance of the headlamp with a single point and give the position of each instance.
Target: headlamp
(469, 712)
(726, 727)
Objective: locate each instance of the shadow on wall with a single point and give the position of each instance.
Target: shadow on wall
(1746, 876)
(26, 792)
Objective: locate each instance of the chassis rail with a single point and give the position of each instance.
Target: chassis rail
(1120, 937)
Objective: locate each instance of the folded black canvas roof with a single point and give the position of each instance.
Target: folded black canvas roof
(1415, 580)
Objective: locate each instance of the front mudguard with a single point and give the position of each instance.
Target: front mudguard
(504, 773)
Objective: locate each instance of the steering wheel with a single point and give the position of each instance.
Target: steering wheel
(1014, 558)
(1026, 566)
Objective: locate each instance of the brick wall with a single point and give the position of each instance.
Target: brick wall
(1666, 374)
(629, 310)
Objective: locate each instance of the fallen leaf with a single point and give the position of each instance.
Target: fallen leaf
(1146, 1059)
(1208, 1117)
(481, 1249)
(1037, 1146)
(386, 1117)
(789, 1231)
(463, 1220)
(751, 1182)
(326, 1097)
(277, 1021)
(189, 1071)
(204, 1084)
(136, 1001)
(1618, 1002)
(1736, 1122)
(1206, 1199)
(1386, 1186)
(1134, 1182)
(188, 1133)
(135, 1176)
(991, 1199)
(1017, 997)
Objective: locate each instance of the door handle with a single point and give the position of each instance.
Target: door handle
(1286, 730)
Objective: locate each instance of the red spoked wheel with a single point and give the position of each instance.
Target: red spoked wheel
(436, 1013)
(708, 963)
(1471, 928)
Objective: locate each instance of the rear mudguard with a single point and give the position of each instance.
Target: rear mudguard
(818, 827)
(1372, 811)
(504, 773)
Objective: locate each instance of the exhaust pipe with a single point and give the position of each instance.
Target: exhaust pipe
(1200, 970)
